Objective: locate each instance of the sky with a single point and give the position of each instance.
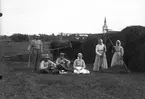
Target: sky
(69, 16)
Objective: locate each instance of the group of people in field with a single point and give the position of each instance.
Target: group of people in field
(101, 60)
(63, 65)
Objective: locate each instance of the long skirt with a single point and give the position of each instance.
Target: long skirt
(79, 70)
(36, 58)
(117, 60)
(100, 62)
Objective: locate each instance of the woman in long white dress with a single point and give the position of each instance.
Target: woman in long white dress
(100, 60)
(80, 66)
(117, 59)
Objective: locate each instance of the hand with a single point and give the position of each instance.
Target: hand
(121, 57)
(112, 51)
(29, 51)
(101, 55)
(82, 68)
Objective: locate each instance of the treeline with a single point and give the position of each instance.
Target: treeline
(24, 38)
(18, 37)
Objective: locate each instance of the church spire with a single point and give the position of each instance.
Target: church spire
(105, 20)
(105, 27)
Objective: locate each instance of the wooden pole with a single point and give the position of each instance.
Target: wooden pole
(1, 50)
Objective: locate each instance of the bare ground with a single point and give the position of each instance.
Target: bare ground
(20, 83)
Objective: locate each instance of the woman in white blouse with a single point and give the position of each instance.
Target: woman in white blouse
(117, 59)
(80, 66)
(100, 60)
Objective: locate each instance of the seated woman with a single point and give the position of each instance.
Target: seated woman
(62, 63)
(47, 65)
(79, 65)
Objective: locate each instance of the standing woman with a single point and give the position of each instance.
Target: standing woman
(100, 60)
(117, 59)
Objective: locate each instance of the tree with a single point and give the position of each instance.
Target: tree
(19, 37)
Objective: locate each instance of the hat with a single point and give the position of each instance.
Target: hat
(36, 36)
(46, 56)
(62, 54)
(80, 54)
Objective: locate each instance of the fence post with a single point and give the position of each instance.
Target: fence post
(1, 50)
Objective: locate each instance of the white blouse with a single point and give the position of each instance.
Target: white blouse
(79, 63)
(44, 65)
(37, 44)
(119, 49)
(100, 49)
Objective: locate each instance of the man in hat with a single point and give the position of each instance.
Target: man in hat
(62, 63)
(36, 48)
(47, 65)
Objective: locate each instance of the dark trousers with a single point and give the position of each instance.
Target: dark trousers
(62, 67)
(53, 71)
(43, 71)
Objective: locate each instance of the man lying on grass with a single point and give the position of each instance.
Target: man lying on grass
(47, 66)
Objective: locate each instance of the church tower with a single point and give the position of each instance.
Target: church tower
(105, 27)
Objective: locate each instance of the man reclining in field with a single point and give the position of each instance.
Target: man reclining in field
(47, 65)
(62, 63)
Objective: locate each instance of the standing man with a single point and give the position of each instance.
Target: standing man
(36, 48)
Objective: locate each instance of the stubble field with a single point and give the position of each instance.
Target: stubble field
(20, 83)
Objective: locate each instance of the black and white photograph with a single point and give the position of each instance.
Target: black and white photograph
(72, 49)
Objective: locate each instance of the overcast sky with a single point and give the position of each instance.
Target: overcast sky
(69, 16)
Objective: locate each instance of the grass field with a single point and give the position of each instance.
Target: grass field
(20, 83)
(19, 48)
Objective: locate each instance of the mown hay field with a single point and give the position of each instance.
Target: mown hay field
(14, 48)
(20, 83)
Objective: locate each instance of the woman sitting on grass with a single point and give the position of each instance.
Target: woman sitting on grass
(80, 66)
(47, 65)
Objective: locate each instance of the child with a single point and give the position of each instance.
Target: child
(79, 65)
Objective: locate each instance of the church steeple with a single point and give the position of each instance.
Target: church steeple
(105, 27)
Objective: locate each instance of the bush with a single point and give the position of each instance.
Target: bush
(19, 37)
